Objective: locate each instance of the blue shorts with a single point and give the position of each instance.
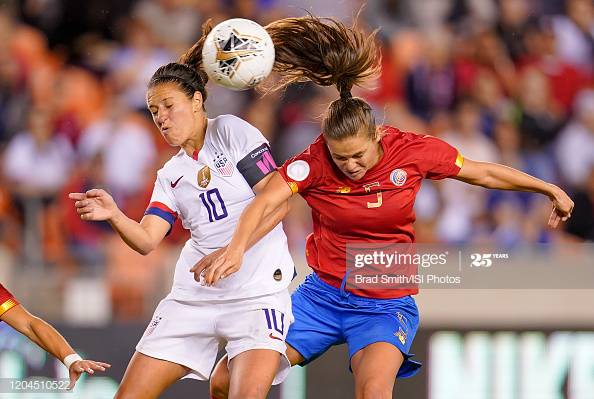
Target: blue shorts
(327, 316)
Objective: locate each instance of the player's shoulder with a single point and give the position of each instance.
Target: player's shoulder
(227, 121)
(399, 142)
(232, 131)
(171, 166)
(317, 149)
(397, 137)
(230, 126)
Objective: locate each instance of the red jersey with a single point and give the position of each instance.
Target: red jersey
(376, 209)
(7, 301)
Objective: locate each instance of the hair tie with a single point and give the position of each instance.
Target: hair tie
(345, 94)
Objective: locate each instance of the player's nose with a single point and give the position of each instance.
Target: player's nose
(351, 165)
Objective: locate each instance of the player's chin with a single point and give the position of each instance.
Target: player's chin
(169, 139)
(355, 176)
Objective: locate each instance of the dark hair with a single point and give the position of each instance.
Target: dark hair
(187, 72)
(326, 52)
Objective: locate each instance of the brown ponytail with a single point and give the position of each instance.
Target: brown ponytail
(187, 72)
(326, 52)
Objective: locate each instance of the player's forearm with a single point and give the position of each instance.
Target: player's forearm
(133, 233)
(270, 221)
(46, 336)
(501, 177)
(251, 218)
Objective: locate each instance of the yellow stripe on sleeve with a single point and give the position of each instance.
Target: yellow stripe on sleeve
(6, 306)
(459, 160)
(294, 187)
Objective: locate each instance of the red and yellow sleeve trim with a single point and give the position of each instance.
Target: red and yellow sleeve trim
(293, 186)
(7, 305)
(459, 160)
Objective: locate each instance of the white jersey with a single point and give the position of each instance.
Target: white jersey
(208, 192)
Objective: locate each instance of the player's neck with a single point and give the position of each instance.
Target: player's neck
(194, 144)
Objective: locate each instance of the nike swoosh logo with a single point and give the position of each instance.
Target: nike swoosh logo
(177, 181)
(273, 337)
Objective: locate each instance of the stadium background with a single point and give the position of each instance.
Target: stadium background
(508, 81)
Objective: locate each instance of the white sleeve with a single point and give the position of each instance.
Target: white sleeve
(241, 137)
(249, 149)
(162, 201)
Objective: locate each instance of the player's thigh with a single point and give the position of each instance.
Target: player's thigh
(147, 377)
(220, 378)
(375, 368)
(252, 372)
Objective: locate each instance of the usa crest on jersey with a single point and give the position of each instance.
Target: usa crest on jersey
(222, 165)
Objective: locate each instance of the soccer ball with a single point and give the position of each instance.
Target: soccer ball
(238, 54)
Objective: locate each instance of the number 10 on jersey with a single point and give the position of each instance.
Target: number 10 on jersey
(213, 201)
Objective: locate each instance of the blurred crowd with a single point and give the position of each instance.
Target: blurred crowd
(508, 81)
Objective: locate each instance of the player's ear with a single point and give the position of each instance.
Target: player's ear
(197, 101)
(378, 134)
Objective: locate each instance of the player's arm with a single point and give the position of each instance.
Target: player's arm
(44, 335)
(275, 193)
(98, 205)
(272, 216)
(496, 176)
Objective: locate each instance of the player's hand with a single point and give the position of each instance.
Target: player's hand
(84, 366)
(562, 207)
(226, 264)
(206, 262)
(95, 204)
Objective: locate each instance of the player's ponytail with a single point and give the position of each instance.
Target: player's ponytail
(187, 72)
(326, 52)
(193, 57)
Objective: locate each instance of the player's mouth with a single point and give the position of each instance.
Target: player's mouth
(355, 175)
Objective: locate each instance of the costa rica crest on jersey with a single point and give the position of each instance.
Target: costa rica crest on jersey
(223, 165)
(203, 177)
(398, 177)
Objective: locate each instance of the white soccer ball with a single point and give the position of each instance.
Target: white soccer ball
(238, 53)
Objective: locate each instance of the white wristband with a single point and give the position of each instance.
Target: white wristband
(68, 360)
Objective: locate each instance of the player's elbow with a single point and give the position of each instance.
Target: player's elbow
(145, 249)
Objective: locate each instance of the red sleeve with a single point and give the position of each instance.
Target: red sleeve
(437, 159)
(303, 171)
(7, 301)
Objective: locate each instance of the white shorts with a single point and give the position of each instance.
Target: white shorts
(192, 333)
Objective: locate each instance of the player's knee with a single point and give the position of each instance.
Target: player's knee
(218, 388)
(375, 390)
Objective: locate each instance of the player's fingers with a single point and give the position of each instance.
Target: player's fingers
(209, 273)
(81, 203)
(84, 210)
(203, 264)
(96, 366)
(221, 272)
(228, 272)
(88, 216)
(77, 196)
(552, 217)
(73, 378)
(555, 220)
(95, 192)
(216, 269)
